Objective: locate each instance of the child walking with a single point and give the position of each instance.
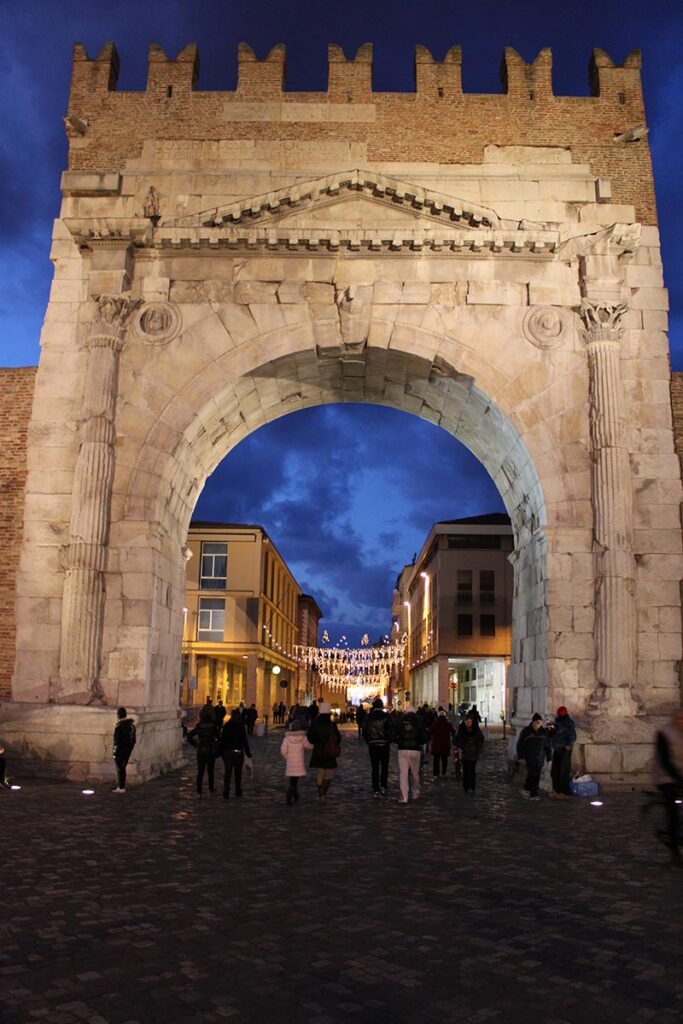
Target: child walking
(293, 747)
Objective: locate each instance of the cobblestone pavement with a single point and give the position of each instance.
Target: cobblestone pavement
(157, 907)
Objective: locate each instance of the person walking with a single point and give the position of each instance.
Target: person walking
(219, 713)
(470, 741)
(668, 777)
(475, 714)
(326, 740)
(276, 707)
(124, 742)
(313, 710)
(562, 738)
(440, 733)
(377, 736)
(410, 737)
(233, 748)
(292, 748)
(250, 716)
(361, 715)
(4, 781)
(533, 747)
(204, 736)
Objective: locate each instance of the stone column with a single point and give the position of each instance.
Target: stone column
(615, 620)
(83, 600)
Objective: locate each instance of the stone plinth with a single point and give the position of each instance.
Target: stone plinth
(75, 742)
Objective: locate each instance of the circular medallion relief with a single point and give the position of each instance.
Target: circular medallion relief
(157, 323)
(546, 327)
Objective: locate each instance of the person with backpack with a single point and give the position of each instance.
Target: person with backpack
(326, 740)
(292, 749)
(124, 742)
(204, 736)
(376, 735)
(562, 738)
(470, 741)
(410, 737)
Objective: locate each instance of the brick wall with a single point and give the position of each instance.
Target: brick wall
(16, 397)
(437, 123)
(677, 407)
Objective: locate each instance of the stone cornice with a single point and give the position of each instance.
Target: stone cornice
(444, 208)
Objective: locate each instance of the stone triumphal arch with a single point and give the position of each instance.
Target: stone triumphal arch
(490, 263)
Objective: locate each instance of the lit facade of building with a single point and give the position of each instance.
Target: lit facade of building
(455, 604)
(309, 617)
(241, 610)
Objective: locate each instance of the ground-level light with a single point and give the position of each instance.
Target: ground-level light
(15, 788)
(88, 792)
(596, 803)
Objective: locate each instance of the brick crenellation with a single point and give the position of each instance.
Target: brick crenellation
(437, 123)
(16, 398)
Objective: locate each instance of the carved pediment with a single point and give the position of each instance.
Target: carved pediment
(386, 200)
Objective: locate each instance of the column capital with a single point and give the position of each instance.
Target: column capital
(108, 326)
(601, 321)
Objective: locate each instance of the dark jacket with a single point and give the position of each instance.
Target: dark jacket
(124, 736)
(376, 728)
(318, 735)
(250, 716)
(219, 713)
(234, 737)
(410, 733)
(534, 746)
(204, 737)
(440, 735)
(564, 733)
(470, 742)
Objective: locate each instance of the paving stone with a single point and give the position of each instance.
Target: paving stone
(158, 906)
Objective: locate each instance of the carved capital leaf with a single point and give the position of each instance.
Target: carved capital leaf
(601, 321)
(110, 320)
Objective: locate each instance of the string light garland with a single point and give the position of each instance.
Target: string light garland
(339, 667)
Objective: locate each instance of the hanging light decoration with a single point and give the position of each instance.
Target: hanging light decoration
(347, 666)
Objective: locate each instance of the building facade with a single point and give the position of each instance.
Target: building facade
(455, 604)
(240, 623)
(309, 685)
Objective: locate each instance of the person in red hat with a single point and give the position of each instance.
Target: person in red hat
(562, 740)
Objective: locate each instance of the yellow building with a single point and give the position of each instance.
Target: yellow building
(455, 604)
(241, 610)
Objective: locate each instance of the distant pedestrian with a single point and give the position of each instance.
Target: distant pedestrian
(233, 747)
(326, 740)
(377, 736)
(4, 783)
(124, 742)
(312, 711)
(250, 717)
(298, 713)
(292, 748)
(475, 714)
(275, 712)
(470, 741)
(281, 712)
(440, 733)
(204, 736)
(562, 738)
(208, 703)
(410, 737)
(219, 714)
(360, 719)
(668, 776)
(533, 747)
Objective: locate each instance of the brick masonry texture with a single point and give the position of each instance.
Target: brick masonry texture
(437, 123)
(16, 397)
(677, 408)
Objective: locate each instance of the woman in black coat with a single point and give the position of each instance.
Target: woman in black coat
(234, 747)
(326, 740)
(470, 741)
(204, 737)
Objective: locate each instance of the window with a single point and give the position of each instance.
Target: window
(211, 619)
(214, 568)
(474, 540)
(464, 625)
(487, 625)
(487, 586)
(464, 586)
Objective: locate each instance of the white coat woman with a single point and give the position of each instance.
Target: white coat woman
(293, 748)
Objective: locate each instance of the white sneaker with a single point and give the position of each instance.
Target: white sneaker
(402, 801)
(117, 789)
(525, 793)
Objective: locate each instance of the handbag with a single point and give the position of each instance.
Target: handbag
(332, 746)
